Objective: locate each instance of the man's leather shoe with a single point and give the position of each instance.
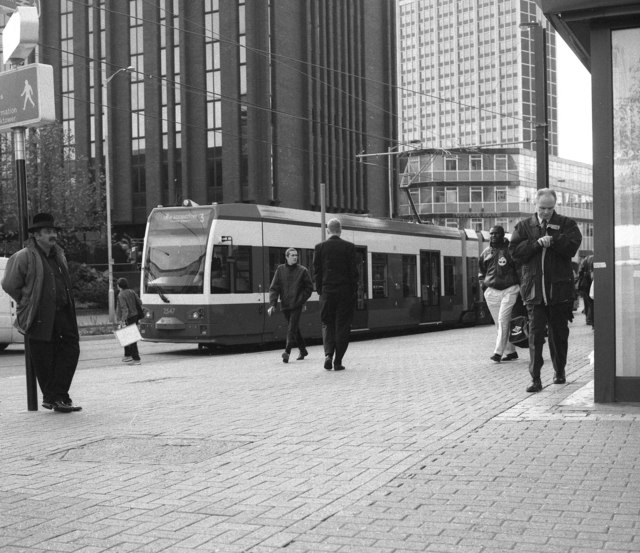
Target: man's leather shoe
(510, 356)
(328, 363)
(559, 380)
(47, 404)
(303, 354)
(535, 387)
(338, 367)
(285, 357)
(61, 407)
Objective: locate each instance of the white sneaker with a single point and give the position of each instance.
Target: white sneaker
(127, 359)
(135, 362)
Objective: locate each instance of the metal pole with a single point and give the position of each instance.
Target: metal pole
(23, 225)
(542, 126)
(107, 179)
(390, 181)
(323, 213)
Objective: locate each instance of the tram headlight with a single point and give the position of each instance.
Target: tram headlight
(196, 315)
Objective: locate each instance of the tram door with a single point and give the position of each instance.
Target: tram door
(361, 315)
(430, 286)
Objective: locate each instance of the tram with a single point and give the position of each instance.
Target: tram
(206, 272)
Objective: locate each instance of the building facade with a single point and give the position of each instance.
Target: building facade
(226, 100)
(480, 188)
(466, 73)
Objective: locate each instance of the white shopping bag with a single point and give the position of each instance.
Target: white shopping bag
(128, 335)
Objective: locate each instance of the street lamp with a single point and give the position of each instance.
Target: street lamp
(107, 179)
(542, 125)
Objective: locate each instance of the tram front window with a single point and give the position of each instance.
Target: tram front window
(175, 257)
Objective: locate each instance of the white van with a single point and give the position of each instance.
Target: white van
(8, 333)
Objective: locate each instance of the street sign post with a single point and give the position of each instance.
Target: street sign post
(25, 97)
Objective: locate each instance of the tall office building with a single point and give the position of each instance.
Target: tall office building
(226, 100)
(466, 73)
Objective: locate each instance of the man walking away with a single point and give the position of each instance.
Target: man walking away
(585, 278)
(37, 278)
(543, 246)
(336, 277)
(128, 312)
(500, 282)
(292, 284)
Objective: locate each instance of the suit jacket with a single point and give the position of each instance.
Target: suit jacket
(334, 265)
(554, 262)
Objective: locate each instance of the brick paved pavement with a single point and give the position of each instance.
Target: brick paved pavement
(421, 445)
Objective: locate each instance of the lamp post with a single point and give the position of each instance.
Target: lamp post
(107, 179)
(542, 125)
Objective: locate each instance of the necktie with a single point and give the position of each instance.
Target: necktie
(543, 227)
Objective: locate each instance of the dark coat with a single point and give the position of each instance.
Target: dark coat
(334, 265)
(497, 268)
(554, 262)
(24, 281)
(292, 283)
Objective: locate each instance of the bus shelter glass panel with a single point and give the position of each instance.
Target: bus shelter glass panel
(626, 156)
(176, 250)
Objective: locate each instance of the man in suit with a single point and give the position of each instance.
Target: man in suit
(336, 276)
(543, 246)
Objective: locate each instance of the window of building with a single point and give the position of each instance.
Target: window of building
(501, 162)
(451, 195)
(379, 269)
(475, 162)
(476, 224)
(438, 195)
(503, 222)
(501, 194)
(451, 164)
(409, 276)
(476, 194)
(451, 223)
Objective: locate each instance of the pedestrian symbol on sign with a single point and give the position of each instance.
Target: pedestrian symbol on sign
(28, 95)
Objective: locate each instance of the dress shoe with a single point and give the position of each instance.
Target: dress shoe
(328, 363)
(338, 367)
(559, 380)
(61, 407)
(69, 404)
(535, 387)
(496, 358)
(510, 356)
(47, 404)
(285, 357)
(303, 354)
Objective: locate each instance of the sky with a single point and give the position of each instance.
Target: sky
(574, 106)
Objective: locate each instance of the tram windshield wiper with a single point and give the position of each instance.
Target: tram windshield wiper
(164, 298)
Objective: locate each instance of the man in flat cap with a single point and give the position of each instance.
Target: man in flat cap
(37, 278)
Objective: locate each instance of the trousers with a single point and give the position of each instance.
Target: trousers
(55, 360)
(500, 304)
(337, 306)
(554, 319)
(294, 336)
(132, 349)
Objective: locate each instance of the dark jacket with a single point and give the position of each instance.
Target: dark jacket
(127, 307)
(334, 265)
(554, 262)
(585, 275)
(497, 269)
(24, 282)
(292, 283)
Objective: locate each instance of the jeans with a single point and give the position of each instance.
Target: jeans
(294, 336)
(500, 304)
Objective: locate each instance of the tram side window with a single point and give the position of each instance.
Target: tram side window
(231, 273)
(409, 276)
(276, 257)
(449, 276)
(379, 270)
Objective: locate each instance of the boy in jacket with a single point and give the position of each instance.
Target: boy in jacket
(543, 246)
(499, 278)
(292, 284)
